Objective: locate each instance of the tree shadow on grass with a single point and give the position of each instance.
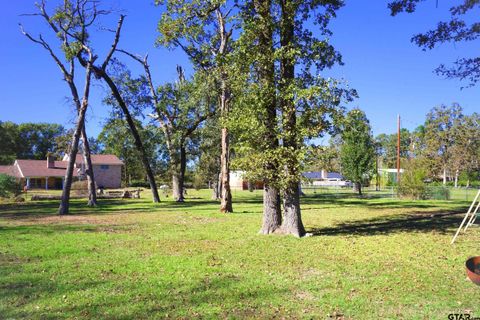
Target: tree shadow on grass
(138, 299)
(372, 202)
(438, 221)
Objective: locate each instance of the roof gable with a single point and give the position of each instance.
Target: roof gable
(39, 168)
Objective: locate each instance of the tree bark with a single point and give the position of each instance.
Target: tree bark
(178, 176)
(456, 178)
(92, 190)
(133, 129)
(226, 194)
(359, 187)
(215, 188)
(224, 101)
(65, 201)
(272, 216)
(292, 218)
(444, 175)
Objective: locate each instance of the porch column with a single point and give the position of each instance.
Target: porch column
(46, 183)
(28, 183)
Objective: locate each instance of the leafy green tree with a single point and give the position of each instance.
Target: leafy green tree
(8, 186)
(358, 150)
(440, 128)
(466, 148)
(126, 150)
(275, 119)
(204, 30)
(323, 158)
(388, 147)
(180, 109)
(38, 139)
(459, 28)
(207, 168)
(9, 142)
(412, 184)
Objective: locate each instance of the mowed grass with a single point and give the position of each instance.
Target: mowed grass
(132, 259)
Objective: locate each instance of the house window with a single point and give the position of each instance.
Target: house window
(104, 166)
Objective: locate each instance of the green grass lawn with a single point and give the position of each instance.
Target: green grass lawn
(131, 259)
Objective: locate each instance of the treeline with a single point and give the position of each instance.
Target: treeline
(252, 102)
(31, 141)
(446, 149)
(257, 95)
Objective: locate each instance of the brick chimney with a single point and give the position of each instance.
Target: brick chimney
(50, 161)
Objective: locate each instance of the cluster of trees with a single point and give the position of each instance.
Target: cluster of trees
(30, 141)
(446, 147)
(256, 96)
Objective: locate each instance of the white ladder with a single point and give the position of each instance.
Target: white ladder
(471, 216)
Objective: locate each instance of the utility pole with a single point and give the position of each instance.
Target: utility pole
(398, 150)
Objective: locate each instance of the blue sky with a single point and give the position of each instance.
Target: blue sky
(391, 75)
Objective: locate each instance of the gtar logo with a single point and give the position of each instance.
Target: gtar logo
(461, 316)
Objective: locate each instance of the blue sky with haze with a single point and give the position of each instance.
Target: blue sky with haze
(391, 75)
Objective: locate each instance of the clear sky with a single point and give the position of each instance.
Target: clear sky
(391, 74)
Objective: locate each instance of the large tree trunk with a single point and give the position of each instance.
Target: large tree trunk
(133, 129)
(292, 218)
(358, 186)
(444, 175)
(224, 100)
(272, 216)
(178, 176)
(176, 190)
(216, 188)
(92, 190)
(226, 194)
(456, 178)
(65, 201)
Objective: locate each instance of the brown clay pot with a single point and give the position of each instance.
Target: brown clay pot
(473, 264)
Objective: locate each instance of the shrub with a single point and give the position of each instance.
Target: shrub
(198, 182)
(139, 184)
(412, 181)
(438, 193)
(80, 187)
(8, 186)
(19, 199)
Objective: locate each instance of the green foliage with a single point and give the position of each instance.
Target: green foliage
(387, 147)
(306, 105)
(9, 186)
(28, 140)
(357, 153)
(80, 187)
(438, 193)
(412, 183)
(125, 149)
(440, 128)
(139, 183)
(459, 28)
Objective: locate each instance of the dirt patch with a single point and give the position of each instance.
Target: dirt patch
(7, 259)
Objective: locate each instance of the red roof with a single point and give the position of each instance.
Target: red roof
(100, 159)
(6, 170)
(38, 168)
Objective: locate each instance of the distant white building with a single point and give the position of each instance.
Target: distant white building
(238, 181)
(326, 179)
